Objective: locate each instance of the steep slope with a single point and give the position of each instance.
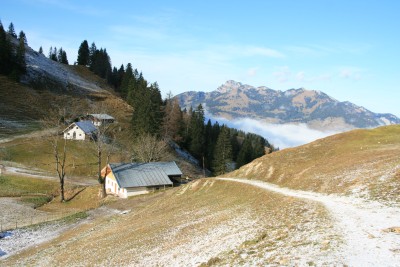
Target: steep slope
(318, 110)
(49, 85)
(361, 162)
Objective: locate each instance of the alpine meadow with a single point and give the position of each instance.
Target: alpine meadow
(175, 133)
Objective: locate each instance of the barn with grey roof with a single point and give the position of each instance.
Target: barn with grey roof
(128, 179)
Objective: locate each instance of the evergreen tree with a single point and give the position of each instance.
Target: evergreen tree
(100, 64)
(126, 80)
(59, 54)
(62, 56)
(41, 50)
(53, 53)
(11, 30)
(120, 76)
(6, 62)
(20, 55)
(114, 78)
(245, 153)
(223, 152)
(209, 144)
(23, 37)
(156, 115)
(259, 144)
(92, 54)
(141, 103)
(83, 54)
(197, 141)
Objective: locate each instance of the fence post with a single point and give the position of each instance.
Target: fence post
(16, 224)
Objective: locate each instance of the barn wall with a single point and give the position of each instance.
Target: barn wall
(134, 191)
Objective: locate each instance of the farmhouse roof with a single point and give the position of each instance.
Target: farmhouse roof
(86, 126)
(102, 116)
(144, 174)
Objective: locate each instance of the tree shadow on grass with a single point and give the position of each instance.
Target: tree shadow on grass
(74, 195)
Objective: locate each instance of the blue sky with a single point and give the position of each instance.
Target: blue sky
(347, 49)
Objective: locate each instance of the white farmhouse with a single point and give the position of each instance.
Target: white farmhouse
(81, 130)
(129, 179)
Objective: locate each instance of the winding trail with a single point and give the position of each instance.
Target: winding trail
(368, 227)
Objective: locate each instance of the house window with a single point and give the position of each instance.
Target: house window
(76, 127)
(80, 134)
(68, 133)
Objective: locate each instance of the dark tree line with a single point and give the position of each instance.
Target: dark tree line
(97, 60)
(57, 55)
(12, 57)
(220, 148)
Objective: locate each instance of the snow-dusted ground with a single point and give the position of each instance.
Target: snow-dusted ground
(29, 172)
(15, 241)
(365, 226)
(40, 67)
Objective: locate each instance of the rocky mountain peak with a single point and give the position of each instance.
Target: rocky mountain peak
(229, 86)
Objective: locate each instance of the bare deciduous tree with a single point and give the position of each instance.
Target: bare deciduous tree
(173, 120)
(148, 148)
(54, 122)
(104, 145)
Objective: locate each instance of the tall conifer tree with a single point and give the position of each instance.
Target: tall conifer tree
(20, 55)
(6, 64)
(11, 30)
(83, 54)
(223, 152)
(197, 133)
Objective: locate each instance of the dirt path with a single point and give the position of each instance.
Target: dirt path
(369, 228)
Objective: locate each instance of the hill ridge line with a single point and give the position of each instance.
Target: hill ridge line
(364, 225)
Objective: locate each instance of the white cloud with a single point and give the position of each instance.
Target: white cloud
(282, 74)
(261, 51)
(351, 73)
(252, 72)
(280, 135)
(301, 76)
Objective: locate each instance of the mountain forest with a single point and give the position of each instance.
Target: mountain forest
(217, 148)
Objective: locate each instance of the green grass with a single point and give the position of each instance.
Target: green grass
(75, 217)
(16, 186)
(37, 201)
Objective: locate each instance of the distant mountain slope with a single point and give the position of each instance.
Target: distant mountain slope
(363, 162)
(314, 108)
(49, 85)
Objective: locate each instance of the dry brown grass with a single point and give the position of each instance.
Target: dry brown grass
(205, 221)
(359, 160)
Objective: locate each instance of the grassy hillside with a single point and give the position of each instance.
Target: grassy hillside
(364, 162)
(23, 106)
(205, 222)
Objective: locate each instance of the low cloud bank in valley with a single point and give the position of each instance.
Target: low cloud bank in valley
(280, 135)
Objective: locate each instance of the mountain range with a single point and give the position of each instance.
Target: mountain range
(234, 100)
